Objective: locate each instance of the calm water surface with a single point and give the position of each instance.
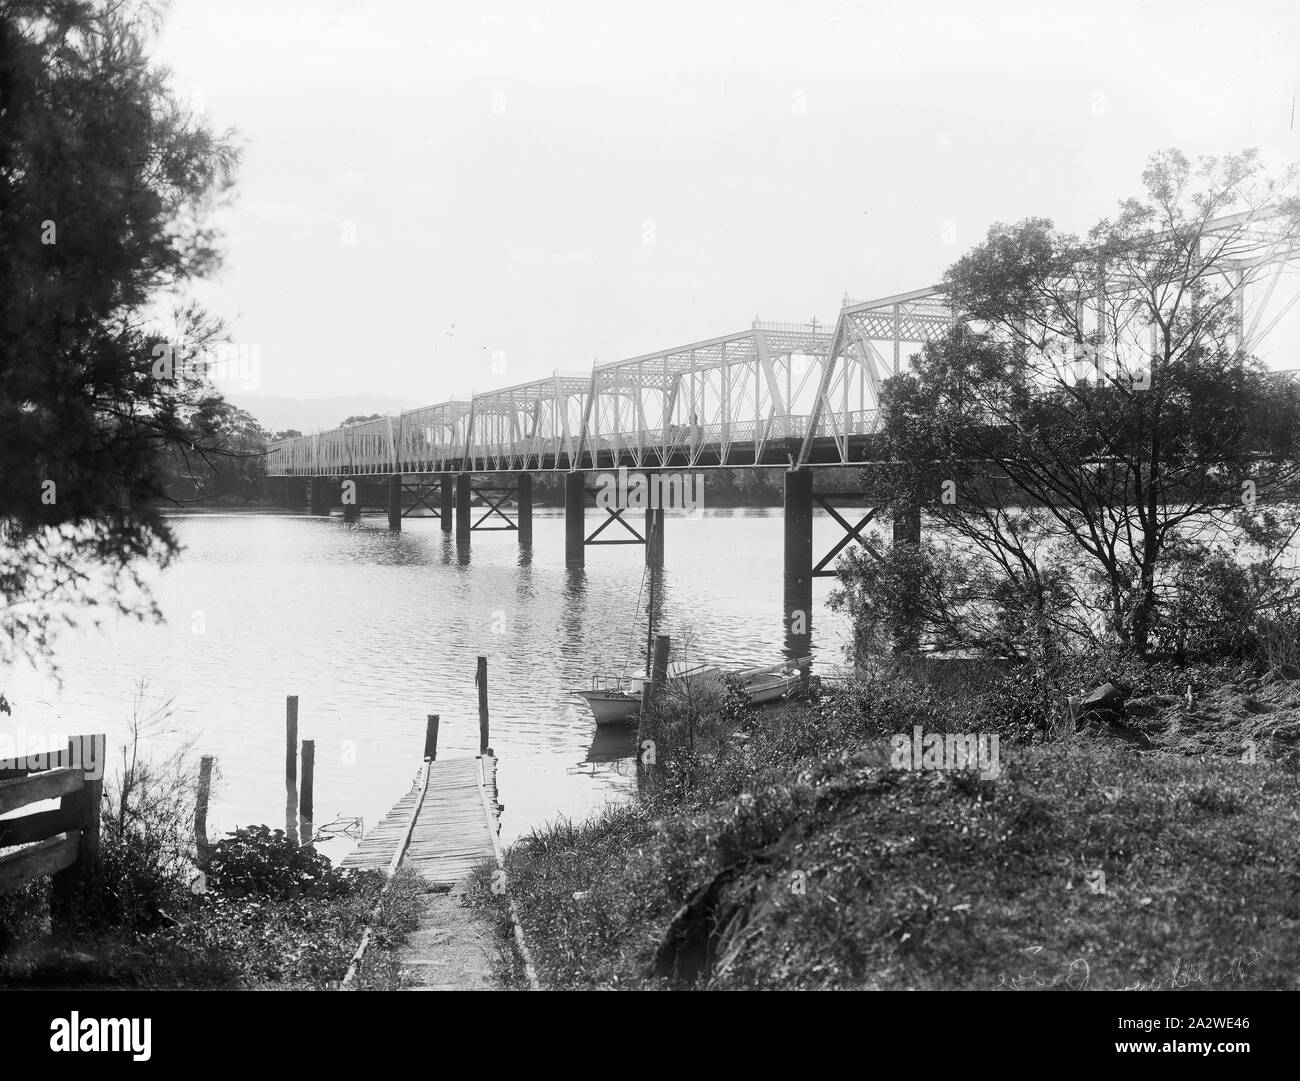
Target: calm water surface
(374, 630)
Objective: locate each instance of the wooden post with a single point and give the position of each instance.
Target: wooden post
(201, 845)
(659, 670)
(306, 806)
(431, 739)
(648, 750)
(480, 678)
(291, 767)
(84, 805)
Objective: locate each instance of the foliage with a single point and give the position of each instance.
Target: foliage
(260, 862)
(822, 868)
(106, 183)
(1097, 408)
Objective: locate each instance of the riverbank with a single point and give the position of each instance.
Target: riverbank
(265, 918)
(792, 852)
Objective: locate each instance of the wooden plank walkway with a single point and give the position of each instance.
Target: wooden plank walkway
(453, 831)
(444, 827)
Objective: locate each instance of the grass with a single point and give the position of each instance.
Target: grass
(786, 853)
(220, 942)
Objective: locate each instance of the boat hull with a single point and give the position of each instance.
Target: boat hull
(612, 707)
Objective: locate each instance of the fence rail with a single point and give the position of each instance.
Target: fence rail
(63, 842)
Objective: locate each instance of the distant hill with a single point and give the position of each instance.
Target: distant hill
(316, 414)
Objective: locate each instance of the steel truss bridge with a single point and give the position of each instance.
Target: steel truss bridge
(775, 394)
(781, 394)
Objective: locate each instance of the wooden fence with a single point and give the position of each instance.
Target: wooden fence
(63, 842)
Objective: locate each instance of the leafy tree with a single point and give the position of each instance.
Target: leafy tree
(359, 419)
(1097, 411)
(227, 459)
(105, 187)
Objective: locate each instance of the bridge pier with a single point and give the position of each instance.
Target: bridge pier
(797, 591)
(524, 502)
(319, 504)
(575, 505)
(654, 538)
(463, 495)
(295, 492)
(448, 511)
(352, 510)
(395, 501)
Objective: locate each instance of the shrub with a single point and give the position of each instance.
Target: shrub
(261, 862)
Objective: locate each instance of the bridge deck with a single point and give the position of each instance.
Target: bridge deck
(453, 830)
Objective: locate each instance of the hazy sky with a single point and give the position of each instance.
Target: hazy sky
(553, 183)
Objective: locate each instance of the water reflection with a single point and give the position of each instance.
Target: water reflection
(612, 743)
(374, 629)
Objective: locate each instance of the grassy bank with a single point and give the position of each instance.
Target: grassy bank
(271, 924)
(787, 852)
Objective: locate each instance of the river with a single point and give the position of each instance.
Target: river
(373, 630)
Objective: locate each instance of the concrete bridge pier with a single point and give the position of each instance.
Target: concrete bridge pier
(575, 508)
(654, 538)
(395, 501)
(463, 496)
(319, 503)
(797, 593)
(524, 502)
(352, 510)
(448, 509)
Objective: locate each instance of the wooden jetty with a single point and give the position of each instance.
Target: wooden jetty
(444, 828)
(445, 825)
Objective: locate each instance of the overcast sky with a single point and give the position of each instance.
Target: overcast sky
(548, 184)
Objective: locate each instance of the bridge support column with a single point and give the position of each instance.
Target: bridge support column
(907, 530)
(654, 537)
(319, 505)
(524, 499)
(798, 563)
(575, 526)
(352, 510)
(448, 510)
(463, 495)
(297, 492)
(395, 501)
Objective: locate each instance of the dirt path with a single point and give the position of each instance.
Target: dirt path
(452, 950)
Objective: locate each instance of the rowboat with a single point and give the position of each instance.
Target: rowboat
(616, 698)
(761, 685)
